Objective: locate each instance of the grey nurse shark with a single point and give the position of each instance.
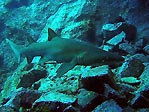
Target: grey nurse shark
(69, 52)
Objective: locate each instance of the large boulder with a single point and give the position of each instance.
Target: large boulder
(131, 68)
(95, 79)
(146, 49)
(30, 77)
(53, 101)
(23, 98)
(88, 100)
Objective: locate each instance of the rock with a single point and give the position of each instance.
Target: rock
(56, 97)
(88, 100)
(146, 63)
(146, 49)
(140, 21)
(6, 109)
(144, 80)
(136, 14)
(108, 106)
(71, 109)
(68, 83)
(53, 101)
(16, 4)
(140, 43)
(111, 30)
(12, 81)
(129, 29)
(110, 93)
(118, 19)
(30, 77)
(107, 47)
(95, 78)
(130, 80)
(116, 39)
(128, 48)
(146, 94)
(131, 68)
(62, 17)
(126, 89)
(140, 101)
(141, 57)
(143, 110)
(1, 60)
(23, 98)
(128, 109)
(131, 32)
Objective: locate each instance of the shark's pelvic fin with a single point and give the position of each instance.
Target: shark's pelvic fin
(51, 34)
(16, 48)
(65, 67)
(29, 59)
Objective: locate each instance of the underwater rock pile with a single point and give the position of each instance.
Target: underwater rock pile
(117, 26)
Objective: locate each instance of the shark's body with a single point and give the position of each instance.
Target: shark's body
(67, 51)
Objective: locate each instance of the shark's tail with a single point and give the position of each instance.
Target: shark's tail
(16, 48)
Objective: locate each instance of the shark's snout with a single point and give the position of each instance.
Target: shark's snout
(115, 61)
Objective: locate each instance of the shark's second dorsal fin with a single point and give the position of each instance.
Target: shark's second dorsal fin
(51, 34)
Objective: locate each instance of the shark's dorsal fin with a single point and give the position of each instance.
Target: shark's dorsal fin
(51, 34)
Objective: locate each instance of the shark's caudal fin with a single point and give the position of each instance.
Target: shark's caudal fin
(16, 48)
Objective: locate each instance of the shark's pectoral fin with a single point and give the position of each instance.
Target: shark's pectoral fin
(65, 67)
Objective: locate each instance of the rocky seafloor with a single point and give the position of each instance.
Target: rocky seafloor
(119, 26)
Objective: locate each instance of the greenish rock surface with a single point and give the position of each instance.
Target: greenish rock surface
(130, 80)
(86, 97)
(108, 106)
(51, 97)
(117, 39)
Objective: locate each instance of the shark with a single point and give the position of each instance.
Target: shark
(69, 52)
